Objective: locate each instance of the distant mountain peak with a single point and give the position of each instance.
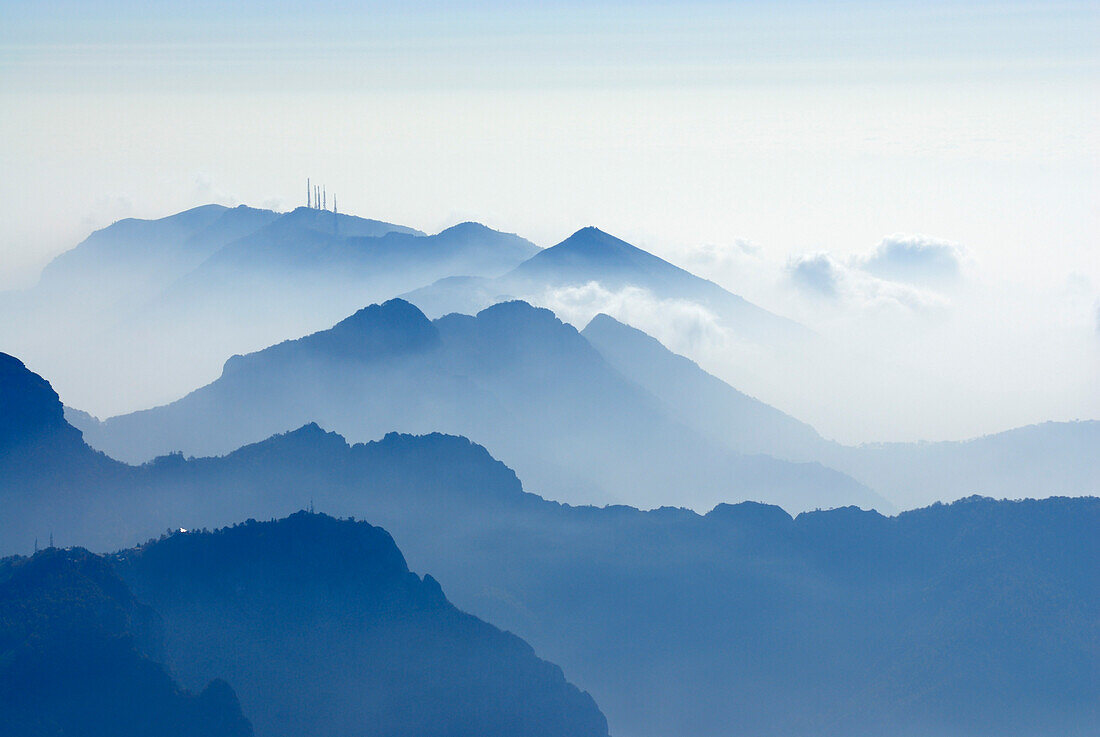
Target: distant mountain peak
(516, 320)
(343, 224)
(309, 439)
(590, 253)
(392, 316)
(595, 241)
(468, 227)
(755, 514)
(515, 308)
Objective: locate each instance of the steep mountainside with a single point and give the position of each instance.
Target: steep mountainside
(514, 378)
(78, 658)
(324, 630)
(703, 402)
(1055, 458)
(39, 449)
(977, 618)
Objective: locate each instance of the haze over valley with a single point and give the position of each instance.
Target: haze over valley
(564, 369)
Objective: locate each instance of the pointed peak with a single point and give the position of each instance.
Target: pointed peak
(593, 235)
(604, 327)
(590, 230)
(593, 247)
(603, 321)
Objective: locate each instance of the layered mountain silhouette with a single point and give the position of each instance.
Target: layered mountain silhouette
(593, 256)
(699, 400)
(38, 446)
(324, 630)
(1038, 460)
(79, 657)
(975, 618)
(1041, 460)
(158, 304)
(515, 378)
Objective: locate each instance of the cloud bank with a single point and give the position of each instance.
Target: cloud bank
(916, 259)
(843, 283)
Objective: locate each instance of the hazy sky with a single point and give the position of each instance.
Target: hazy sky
(803, 133)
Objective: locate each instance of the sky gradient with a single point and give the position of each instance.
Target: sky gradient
(696, 130)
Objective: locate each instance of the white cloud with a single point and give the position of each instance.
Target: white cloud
(682, 325)
(822, 276)
(917, 259)
(736, 252)
(816, 274)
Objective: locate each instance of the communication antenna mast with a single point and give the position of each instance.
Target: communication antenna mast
(324, 199)
(309, 193)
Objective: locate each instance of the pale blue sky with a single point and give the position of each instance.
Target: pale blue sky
(687, 128)
(786, 108)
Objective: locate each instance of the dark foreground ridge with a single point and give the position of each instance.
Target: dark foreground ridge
(977, 618)
(322, 628)
(316, 621)
(79, 657)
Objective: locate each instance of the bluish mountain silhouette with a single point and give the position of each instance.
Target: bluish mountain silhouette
(591, 255)
(324, 630)
(1041, 460)
(39, 449)
(976, 618)
(158, 304)
(131, 259)
(1047, 459)
(413, 666)
(348, 226)
(699, 400)
(79, 657)
(514, 378)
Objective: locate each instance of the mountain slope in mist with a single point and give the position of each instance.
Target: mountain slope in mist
(324, 630)
(515, 378)
(703, 402)
(977, 618)
(591, 256)
(1034, 461)
(1043, 460)
(160, 303)
(79, 657)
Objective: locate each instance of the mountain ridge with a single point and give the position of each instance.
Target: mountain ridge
(631, 603)
(513, 377)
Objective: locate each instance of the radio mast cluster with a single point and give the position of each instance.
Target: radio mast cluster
(317, 197)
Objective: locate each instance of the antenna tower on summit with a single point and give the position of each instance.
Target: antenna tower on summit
(309, 193)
